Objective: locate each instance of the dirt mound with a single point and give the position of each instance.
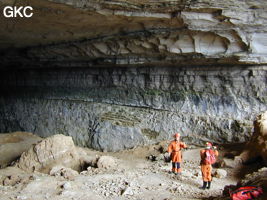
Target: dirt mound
(52, 151)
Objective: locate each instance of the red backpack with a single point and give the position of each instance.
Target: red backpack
(210, 157)
(246, 193)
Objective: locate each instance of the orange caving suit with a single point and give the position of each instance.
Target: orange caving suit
(176, 155)
(206, 169)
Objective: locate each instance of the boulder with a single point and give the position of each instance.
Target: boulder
(12, 180)
(52, 151)
(106, 162)
(65, 172)
(88, 160)
(66, 186)
(220, 173)
(230, 163)
(110, 137)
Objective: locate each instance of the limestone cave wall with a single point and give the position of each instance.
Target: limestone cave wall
(116, 108)
(117, 74)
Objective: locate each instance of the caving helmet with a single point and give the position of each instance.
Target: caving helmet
(176, 135)
(208, 145)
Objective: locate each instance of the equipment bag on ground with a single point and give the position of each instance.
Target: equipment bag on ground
(246, 193)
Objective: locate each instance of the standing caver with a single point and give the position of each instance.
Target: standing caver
(175, 153)
(208, 158)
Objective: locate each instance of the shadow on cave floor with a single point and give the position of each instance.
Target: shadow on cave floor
(249, 167)
(241, 170)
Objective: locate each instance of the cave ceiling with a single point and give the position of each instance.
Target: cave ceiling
(83, 33)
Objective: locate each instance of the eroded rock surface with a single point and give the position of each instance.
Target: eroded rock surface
(113, 109)
(52, 151)
(133, 71)
(89, 33)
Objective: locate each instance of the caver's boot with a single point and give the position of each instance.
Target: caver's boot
(204, 185)
(179, 171)
(209, 182)
(174, 170)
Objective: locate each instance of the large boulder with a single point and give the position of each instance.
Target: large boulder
(52, 151)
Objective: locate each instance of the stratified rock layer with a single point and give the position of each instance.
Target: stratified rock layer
(117, 74)
(118, 108)
(89, 33)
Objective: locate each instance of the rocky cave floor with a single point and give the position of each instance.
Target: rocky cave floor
(136, 175)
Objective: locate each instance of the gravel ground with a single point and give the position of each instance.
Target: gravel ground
(134, 177)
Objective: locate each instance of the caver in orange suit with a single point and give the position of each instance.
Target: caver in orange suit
(206, 168)
(174, 150)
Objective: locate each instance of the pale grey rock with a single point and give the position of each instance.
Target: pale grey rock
(106, 162)
(52, 151)
(66, 185)
(127, 191)
(220, 173)
(12, 180)
(65, 172)
(22, 197)
(229, 163)
(111, 137)
(226, 32)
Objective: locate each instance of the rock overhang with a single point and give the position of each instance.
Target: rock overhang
(135, 33)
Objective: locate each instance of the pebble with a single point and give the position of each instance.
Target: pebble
(127, 191)
(21, 197)
(66, 186)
